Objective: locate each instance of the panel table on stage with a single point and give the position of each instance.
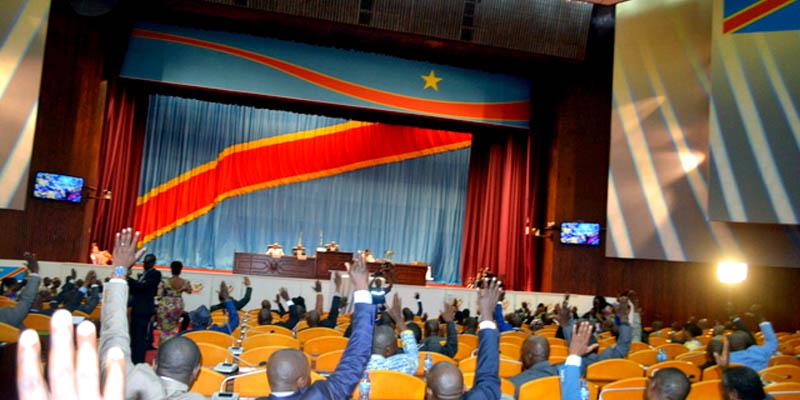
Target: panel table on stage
(262, 264)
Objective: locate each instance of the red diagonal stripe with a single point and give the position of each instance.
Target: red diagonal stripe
(288, 160)
(504, 111)
(755, 11)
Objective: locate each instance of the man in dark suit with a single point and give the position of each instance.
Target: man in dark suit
(445, 380)
(289, 372)
(143, 292)
(433, 341)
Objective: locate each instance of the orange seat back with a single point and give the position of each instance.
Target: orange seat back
(554, 341)
(657, 341)
(257, 329)
(208, 382)
(511, 350)
(328, 362)
(548, 388)
(270, 339)
(37, 322)
(625, 389)
(211, 354)
(469, 340)
(506, 387)
(672, 350)
(464, 351)
(312, 333)
(258, 356)
(784, 390)
(211, 337)
(607, 371)
(252, 386)
(435, 357)
(509, 368)
(512, 339)
(697, 358)
(706, 390)
(387, 384)
(644, 357)
(8, 333)
(323, 344)
(781, 373)
(638, 346)
(784, 360)
(560, 351)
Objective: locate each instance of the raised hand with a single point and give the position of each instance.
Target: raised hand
(317, 287)
(125, 253)
(395, 312)
(359, 273)
(416, 295)
(72, 273)
(337, 281)
(284, 294)
(580, 340)
(488, 296)
(723, 359)
(247, 281)
(623, 308)
(32, 262)
(449, 312)
(224, 294)
(563, 314)
(75, 371)
(277, 298)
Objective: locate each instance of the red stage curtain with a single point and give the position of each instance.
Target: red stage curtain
(499, 204)
(120, 161)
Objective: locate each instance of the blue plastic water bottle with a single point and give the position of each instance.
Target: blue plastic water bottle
(662, 355)
(363, 387)
(584, 390)
(428, 362)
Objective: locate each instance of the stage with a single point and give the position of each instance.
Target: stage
(266, 287)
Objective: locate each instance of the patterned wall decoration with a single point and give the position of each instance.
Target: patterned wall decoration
(658, 177)
(755, 130)
(249, 64)
(23, 28)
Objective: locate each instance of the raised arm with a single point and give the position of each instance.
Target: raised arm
(502, 325)
(15, 315)
(419, 304)
(241, 303)
(487, 379)
(114, 324)
(451, 347)
(570, 386)
(356, 355)
(410, 348)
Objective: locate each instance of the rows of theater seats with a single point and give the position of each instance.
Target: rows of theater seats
(616, 379)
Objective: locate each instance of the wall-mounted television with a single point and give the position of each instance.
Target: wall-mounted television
(580, 233)
(58, 187)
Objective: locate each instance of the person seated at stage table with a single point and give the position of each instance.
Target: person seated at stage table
(445, 380)
(432, 339)
(241, 303)
(299, 251)
(385, 356)
(178, 359)
(275, 250)
(16, 314)
(313, 317)
(100, 257)
(289, 373)
(332, 246)
(201, 316)
(368, 256)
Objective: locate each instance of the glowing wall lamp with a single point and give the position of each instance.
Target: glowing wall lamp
(731, 272)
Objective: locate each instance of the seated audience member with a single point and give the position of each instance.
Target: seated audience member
(470, 326)
(668, 384)
(570, 382)
(379, 292)
(432, 339)
(714, 346)
(16, 314)
(600, 310)
(265, 313)
(691, 332)
(9, 287)
(241, 303)
(201, 317)
(178, 359)
(313, 317)
(742, 383)
(288, 371)
(445, 380)
(295, 310)
(744, 352)
(384, 345)
(622, 330)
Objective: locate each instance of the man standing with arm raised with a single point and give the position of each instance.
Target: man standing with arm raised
(143, 293)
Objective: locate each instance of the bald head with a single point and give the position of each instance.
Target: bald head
(384, 341)
(312, 318)
(179, 359)
(668, 384)
(739, 340)
(444, 382)
(535, 349)
(288, 371)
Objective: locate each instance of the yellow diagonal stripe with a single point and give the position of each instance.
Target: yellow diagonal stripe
(20, 37)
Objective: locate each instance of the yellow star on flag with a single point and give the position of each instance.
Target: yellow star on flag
(431, 81)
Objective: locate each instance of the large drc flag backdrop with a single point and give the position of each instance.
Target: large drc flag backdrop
(217, 179)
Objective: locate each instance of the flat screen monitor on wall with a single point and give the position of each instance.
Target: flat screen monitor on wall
(580, 233)
(58, 187)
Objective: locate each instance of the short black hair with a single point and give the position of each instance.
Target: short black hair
(149, 260)
(178, 358)
(745, 382)
(176, 267)
(693, 329)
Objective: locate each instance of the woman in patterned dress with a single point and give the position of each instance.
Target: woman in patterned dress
(170, 304)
